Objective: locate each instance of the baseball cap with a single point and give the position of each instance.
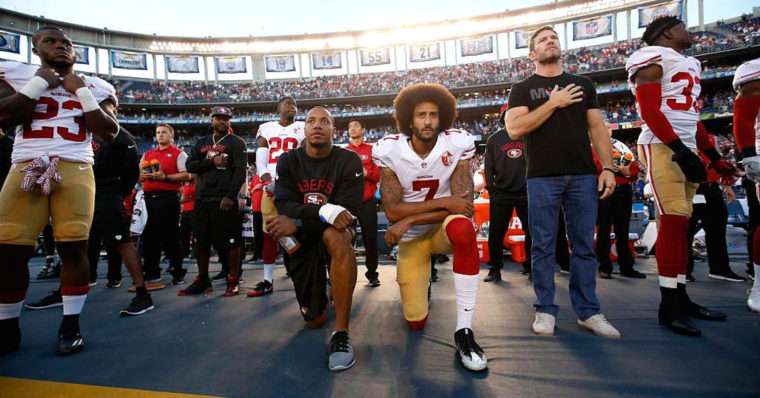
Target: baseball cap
(221, 111)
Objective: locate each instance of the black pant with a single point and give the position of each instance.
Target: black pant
(48, 241)
(561, 249)
(750, 189)
(501, 214)
(368, 222)
(712, 216)
(258, 235)
(161, 232)
(94, 244)
(110, 228)
(615, 211)
(185, 231)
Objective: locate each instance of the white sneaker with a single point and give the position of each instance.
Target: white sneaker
(753, 302)
(600, 326)
(544, 324)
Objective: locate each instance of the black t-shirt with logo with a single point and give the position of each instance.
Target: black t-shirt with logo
(560, 146)
(117, 165)
(504, 166)
(304, 184)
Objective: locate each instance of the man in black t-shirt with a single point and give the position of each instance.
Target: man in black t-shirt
(558, 114)
(504, 170)
(321, 186)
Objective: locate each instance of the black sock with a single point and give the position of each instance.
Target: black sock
(142, 291)
(69, 325)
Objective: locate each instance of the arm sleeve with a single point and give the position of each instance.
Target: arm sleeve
(518, 96)
(488, 167)
(196, 162)
(373, 172)
(745, 115)
(649, 97)
(181, 162)
(705, 141)
(239, 168)
(350, 191)
(287, 198)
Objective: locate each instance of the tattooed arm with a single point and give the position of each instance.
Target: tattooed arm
(461, 184)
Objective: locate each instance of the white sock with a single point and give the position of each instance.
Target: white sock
(668, 282)
(268, 272)
(10, 311)
(72, 305)
(757, 276)
(466, 288)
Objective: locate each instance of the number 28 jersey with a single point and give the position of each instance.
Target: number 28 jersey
(280, 139)
(680, 90)
(428, 178)
(56, 127)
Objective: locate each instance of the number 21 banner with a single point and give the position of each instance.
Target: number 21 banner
(425, 52)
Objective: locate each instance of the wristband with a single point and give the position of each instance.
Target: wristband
(34, 88)
(87, 100)
(712, 154)
(329, 212)
(608, 169)
(166, 178)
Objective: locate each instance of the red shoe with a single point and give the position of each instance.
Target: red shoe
(262, 288)
(199, 286)
(233, 286)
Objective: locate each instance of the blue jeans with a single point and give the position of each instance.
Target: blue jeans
(577, 195)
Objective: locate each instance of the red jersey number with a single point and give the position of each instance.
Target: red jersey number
(430, 185)
(688, 102)
(51, 111)
(277, 144)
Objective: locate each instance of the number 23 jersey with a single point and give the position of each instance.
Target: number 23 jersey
(680, 90)
(428, 178)
(57, 125)
(280, 139)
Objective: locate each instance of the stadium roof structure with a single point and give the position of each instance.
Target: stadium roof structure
(525, 18)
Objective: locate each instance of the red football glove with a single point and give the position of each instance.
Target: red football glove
(728, 172)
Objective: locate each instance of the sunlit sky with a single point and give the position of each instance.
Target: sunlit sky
(258, 18)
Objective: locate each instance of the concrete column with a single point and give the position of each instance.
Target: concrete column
(628, 24)
(614, 27)
(701, 14)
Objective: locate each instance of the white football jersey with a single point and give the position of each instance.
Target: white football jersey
(280, 139)
(680, 90)
(745, 73)
(428, 178)
(56, 127)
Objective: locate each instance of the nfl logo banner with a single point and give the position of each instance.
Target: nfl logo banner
(280, 63)
(425, 53)
(522, 38)
(592, 28)
(326, 61)
(477, 46)
(182, 63)
(234, 64)
(127, 60)
(381, 56)
(83, 55)
(649, 14)
(9, 42)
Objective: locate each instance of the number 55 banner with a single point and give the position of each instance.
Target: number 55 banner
(374, 57)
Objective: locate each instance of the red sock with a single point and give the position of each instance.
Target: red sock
(670, 248)
(269, 251)
(461, 234)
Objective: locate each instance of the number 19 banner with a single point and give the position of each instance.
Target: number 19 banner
(280, 63)
(378, 56)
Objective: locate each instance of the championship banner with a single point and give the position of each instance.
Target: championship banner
(381, 56)
(9, 42)
(233, 64)
(522, 38)
(477, 46)
(182, 64)
(280, 63)
(649, 14)
(592, 28)
(127, 60)
(327, 61)
(425, 53)
(83, 55)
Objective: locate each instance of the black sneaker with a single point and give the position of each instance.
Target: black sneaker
(139, 305)
(605, 275)
(178, 277)
(220, 276)
(373, 282)
(727, 275)
(690, 278)
(262, 288)
(51, 270)
(70, 343)
(470, 353)
(632, 273)
(10, 335)
(340, 351)
(54, 299)
(494, 275)
(200, 285)
(113, 284)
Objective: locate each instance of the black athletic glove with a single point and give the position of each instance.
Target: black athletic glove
(688, 161)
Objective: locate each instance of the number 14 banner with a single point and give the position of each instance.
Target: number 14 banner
(326, 61)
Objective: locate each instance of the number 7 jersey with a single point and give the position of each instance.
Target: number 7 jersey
(680, 90)
(280, 139)
(57, 126)
(428, 178)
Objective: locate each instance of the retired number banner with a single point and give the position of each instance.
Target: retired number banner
(234, 64)
(649, 14)
(425, 53)
(592, 28)
(9, 42)
(83, 55)
(326, 61)
(522, 38)
(477, 46)
(128, 60)
(381, 56)
(280, 63)
(182, 63)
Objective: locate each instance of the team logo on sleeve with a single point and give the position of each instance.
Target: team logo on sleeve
(447, 159)
(314, 199)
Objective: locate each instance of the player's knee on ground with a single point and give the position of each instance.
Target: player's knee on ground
(417, 325)
(336, 240)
